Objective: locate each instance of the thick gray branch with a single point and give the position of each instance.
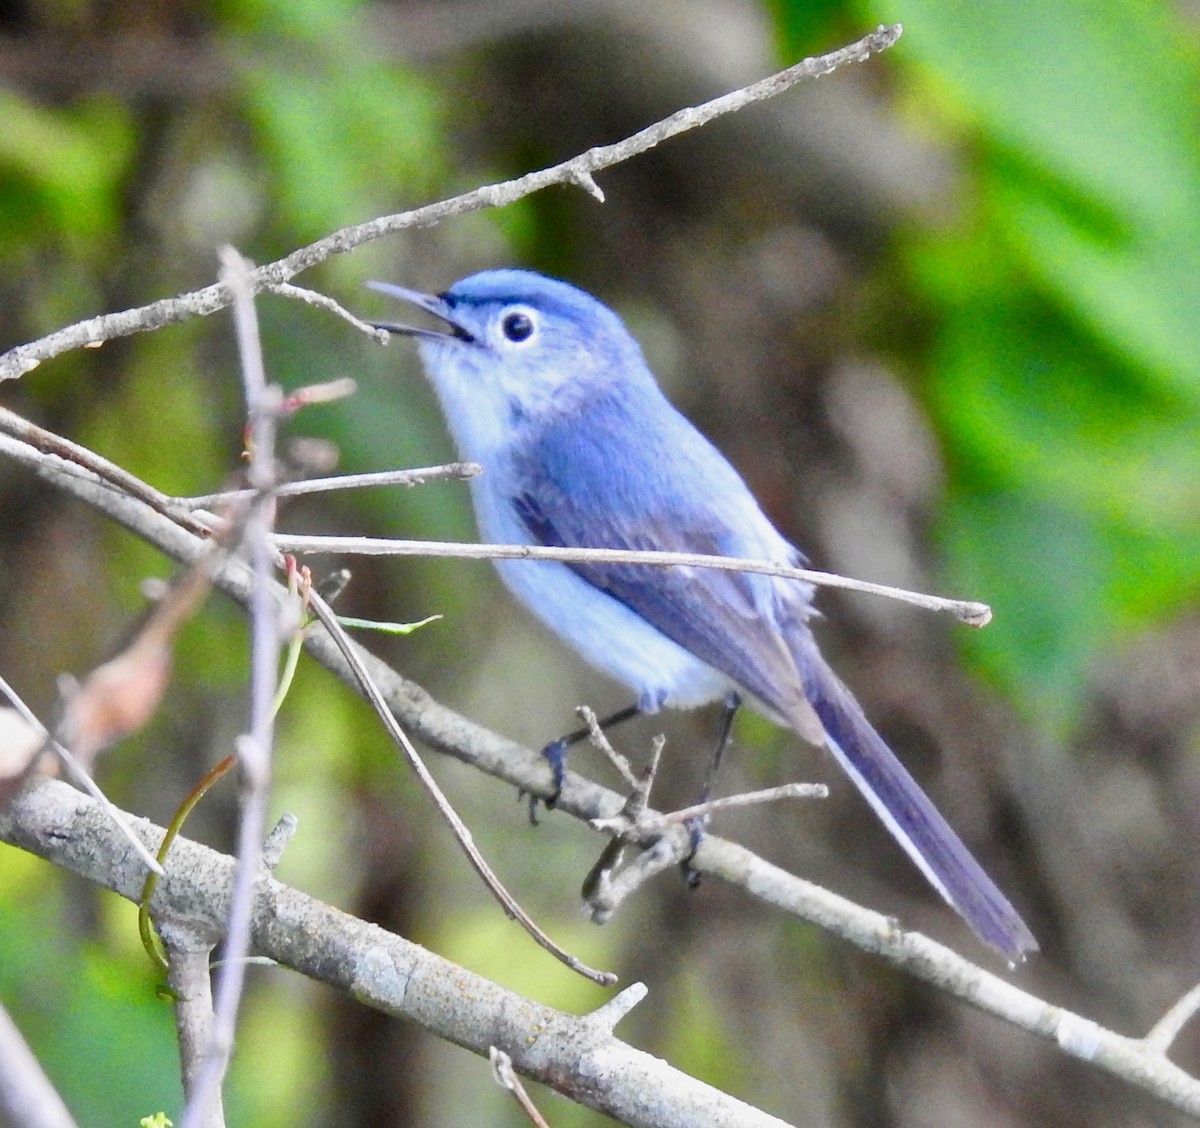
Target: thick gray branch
(577, 1055)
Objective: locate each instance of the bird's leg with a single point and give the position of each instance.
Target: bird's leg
(697, 825)
(556, 754)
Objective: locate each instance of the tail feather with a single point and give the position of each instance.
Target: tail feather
(908, 813)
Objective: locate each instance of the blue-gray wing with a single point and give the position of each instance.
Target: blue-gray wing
(583, 485)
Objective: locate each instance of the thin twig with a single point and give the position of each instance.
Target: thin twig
(110, 473)
(711, 806)
(599, 877)
(608, 888)
(27, 1097)
(599, 740)
(190, 981)
(451, 472)
(375, 696)
(506, 1077)
(970, 613)
(578, 170)
(254, 748)
(83, 778)
(1167, 1028)
(323, 301)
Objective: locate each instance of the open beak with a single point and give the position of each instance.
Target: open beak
(431, 303)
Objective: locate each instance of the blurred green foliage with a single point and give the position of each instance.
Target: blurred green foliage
(333, 132)
(1062, 361)
(1065, 372)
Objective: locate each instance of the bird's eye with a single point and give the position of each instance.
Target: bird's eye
(517, 327)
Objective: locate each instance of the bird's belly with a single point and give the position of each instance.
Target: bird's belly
(611, 637)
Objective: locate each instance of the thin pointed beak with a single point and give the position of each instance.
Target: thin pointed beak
(431, 303)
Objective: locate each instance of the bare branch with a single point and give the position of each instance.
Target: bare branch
(725, 803)
(506, 1078)
(1167, 1029)
(254, 748)
(577, 1055)
(323, 301)
(191, 983)
(599, 740)
(26, 1096)
(372, 692)
(578, 170)
(970, 613)
(451, 472)
(109, 472)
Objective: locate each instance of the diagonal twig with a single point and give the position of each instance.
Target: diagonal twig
(578, 171)
(374, 695)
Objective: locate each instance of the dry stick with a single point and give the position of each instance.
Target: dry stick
(725, 803)
(506, 1077)
(971, 613)
(577, 171)
(598, 738)
(109, 472)
(254, 748)
(606, 886)
(1167, 1028)
(190, 980)
(630, 815)
(27, 1097)
(451, 472)
(323, 301)
(374, 695)
(82, 777)
(1130, 1059)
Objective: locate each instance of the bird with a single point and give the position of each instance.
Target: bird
(544, 386)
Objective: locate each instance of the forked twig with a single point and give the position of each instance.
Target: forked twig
(451, 472)
(1167, 1028)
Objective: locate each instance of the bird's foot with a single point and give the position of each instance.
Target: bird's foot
(696, 828)
(555, 754)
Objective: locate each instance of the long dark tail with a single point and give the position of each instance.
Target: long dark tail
(908, 813)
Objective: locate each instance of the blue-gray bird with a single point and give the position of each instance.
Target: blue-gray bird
(544, 387)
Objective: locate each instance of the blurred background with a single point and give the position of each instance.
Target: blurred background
(940, 309)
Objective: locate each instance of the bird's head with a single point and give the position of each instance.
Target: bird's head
(514, 345)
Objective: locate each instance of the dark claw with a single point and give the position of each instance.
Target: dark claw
(696, 832)
(522, 794)
(556, 756)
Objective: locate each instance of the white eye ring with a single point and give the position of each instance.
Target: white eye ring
(518, 326)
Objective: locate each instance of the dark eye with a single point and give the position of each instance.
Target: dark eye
(517, 327)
